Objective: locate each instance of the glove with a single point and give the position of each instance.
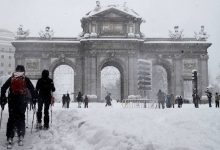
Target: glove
(52, 101)
(3, 101)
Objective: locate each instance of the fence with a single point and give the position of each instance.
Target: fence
(139, 103)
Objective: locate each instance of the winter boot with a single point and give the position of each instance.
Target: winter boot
(9, 146)
(20, 140)
(46, 127)
(39, 126)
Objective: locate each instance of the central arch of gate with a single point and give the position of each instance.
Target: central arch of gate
(120, 66)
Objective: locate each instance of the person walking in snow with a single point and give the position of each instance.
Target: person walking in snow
(68, 100)
(180, 102)
(63, 100)
(216, 100)
(168, 101)
(18, 85)
(209, 96)
(79, 99)
(44, 87)
(86, 101)
(161, 98)
(108, 100)
(172, 100)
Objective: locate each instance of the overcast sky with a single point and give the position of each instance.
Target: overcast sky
(161, 15)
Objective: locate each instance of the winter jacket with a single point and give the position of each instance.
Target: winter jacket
(216, 97)
(45, 86)
(7, 85)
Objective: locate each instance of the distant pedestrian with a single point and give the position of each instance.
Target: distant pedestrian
(179, 101)
(79, 99)
(63, 100)
(217, 100)
(86, 101)
(172, 100)
(108, 100)
(168, 101)
(161, 98)
(68, 100)
(209, 96)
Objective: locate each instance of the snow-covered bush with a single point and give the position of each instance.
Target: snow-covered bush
(131, 35)
(134, 97)
(94, 35)
(87, 35)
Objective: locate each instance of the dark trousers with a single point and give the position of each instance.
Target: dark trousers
(86, 104)
(210, 102)
(217, 104)
(16, 108)
(162, 103)
(46, 102)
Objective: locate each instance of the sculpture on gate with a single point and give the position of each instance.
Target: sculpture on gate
(21, 33)
(202, 35)
(47, 34)
(177, 34)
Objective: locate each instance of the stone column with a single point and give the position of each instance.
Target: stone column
(203, 74)
(90, 76)
(93, 79)
(177, 76)
(78, 76)
(132, 75)
(86, 75)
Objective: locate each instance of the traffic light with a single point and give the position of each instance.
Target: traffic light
(194, 75)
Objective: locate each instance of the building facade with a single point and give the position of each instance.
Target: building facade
(7, 51)
(111, 37)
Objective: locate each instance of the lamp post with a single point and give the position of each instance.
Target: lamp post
(195, 81)
(195, 88)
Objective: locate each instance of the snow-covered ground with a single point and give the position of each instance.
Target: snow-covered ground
(117, 128)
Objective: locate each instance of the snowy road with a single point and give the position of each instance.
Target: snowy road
(117, 128)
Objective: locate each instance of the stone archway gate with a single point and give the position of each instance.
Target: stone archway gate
(87, 57)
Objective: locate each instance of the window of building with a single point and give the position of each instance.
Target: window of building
(2, 56)
(9, 57)
(9, 73)
(9, 65)
(2, 64)
(1, 72)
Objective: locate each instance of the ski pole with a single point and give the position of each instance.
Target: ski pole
(1, 117)
(34, 111)
(51, 116)
(27, 117)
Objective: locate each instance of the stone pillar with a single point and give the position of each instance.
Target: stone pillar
(90, 86)
(203, 74)
(177, 76)
(93, 79)
(132, 75)
(78, 76)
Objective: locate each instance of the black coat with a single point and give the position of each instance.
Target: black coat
(45, 86)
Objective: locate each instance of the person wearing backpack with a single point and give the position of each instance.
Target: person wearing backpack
(18, 85)
(44, 88)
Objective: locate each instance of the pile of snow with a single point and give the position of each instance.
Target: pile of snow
(92, 98)
(134, 97)
(117, 128)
